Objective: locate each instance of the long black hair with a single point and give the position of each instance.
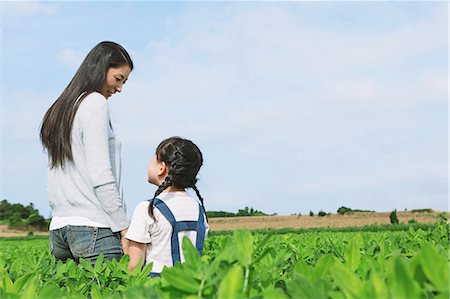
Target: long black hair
(90, 76)
(184, 160)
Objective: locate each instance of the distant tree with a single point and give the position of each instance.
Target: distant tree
(5, 210)
(393, 217)
(241, 212)
(311, 213)
(37, 221)
(214, 214)
(19, 216)
(15, 220)
(322, 213)
(343, 210)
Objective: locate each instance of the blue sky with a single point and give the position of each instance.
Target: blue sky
(297, 106)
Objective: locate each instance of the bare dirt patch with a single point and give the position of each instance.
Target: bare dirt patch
(306, 221)
(5, 231)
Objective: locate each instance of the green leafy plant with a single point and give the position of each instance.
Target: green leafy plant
(410, 263)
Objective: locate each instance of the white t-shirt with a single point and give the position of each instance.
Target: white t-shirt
(157, 234)
(59, 222)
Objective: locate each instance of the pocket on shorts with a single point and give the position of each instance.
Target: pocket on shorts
(82, 240)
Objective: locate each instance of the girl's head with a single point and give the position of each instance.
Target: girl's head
(105, 69)
(175, 165)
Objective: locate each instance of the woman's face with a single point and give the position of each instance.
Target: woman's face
(115, 79)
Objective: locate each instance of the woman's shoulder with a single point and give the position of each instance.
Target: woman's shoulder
(94, 99)
(91, 105)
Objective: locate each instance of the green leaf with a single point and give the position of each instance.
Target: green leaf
(191, 254)
(179, 279)
(95, 292)
(400, 281)
(323, 265)
(353, 254)
(244, 245)
(21, 281)
(300, 287)
(61, 268)
(232, 284)
(303, 268)
(264, 241)
(347, 281)
(146, 270)
(435, 267)
(273, 293)
(99, 263)
(29, 290)
(86, 265)
(227, 252)
(49, 291)
(7, 283)
(376, 287)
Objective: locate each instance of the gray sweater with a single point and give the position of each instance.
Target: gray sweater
(90, 185)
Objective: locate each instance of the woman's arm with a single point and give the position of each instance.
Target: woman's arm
(95, 127)
(136, 251)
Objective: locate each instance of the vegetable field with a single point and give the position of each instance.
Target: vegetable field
(383, 264)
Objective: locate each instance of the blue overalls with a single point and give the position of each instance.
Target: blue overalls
(178, 226)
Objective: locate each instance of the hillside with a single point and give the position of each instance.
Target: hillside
(332, 220)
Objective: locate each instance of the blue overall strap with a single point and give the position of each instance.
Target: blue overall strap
(175, 244)
(178, 226)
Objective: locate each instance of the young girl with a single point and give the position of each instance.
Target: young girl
(158, 226)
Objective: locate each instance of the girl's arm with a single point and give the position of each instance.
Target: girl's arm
(136, 251)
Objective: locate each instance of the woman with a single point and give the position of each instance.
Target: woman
(88, 213)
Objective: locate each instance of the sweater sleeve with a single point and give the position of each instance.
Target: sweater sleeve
(112, 205)
(96, 146)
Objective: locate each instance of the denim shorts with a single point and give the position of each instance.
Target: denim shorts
(85, 242)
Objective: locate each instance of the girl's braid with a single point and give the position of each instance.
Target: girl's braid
(201, 199)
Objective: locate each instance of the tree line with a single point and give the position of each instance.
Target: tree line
(241, 212)
(19, 216)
